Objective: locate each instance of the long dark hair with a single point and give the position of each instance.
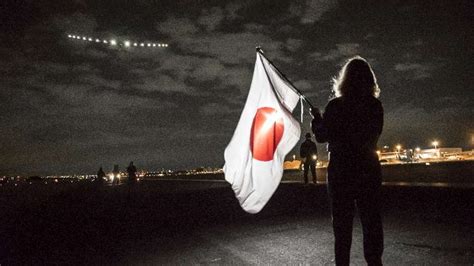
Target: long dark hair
(356, 79)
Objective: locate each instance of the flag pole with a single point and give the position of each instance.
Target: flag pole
(260, 51)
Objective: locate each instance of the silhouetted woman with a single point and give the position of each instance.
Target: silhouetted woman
(351, 124)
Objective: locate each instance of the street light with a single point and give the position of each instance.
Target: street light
(435, 144)
(398, 147)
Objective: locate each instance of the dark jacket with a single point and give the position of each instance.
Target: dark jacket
(351, 128)
(132, 171)
(350, 125)
(308, 149)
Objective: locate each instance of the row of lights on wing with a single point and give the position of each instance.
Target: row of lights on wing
(114, 42)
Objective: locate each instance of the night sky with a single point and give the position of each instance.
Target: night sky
(69, 106)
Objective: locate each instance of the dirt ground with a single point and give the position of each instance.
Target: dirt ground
(195, 222)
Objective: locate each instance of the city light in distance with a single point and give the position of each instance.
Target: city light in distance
(398, 147)
(114, 42)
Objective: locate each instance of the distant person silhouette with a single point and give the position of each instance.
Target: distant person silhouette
(308, 154)
(351, 124)
(100, 176)
(132, 173)
(116, 173)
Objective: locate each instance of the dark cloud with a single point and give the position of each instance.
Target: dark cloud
(177, 27)
(414, 70)
(342, 51)
(293, 44)
(313, 10)
(211, 18)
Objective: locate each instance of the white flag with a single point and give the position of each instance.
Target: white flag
(266, 132)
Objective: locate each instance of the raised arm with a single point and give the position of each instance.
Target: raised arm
(319, 124)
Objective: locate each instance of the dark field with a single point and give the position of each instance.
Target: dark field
(198, 222)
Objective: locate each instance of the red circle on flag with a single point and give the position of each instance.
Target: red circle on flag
(267, 130)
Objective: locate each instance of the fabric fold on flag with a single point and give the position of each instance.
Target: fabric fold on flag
(264, 135)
